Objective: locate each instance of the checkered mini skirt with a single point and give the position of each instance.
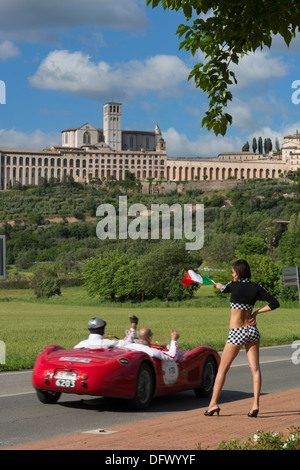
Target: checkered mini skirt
(243, 335)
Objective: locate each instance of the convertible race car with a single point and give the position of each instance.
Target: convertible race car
(122, 373)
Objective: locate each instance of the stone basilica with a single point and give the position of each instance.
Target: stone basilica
(89, 153)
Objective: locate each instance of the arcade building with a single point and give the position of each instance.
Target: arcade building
(87, 153)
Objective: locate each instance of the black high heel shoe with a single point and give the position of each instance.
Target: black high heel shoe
(212, 412)
(253, 414)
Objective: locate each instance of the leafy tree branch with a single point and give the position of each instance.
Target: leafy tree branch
(226, 31)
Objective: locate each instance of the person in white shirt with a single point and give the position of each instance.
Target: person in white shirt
(143, 343)
(96, 327)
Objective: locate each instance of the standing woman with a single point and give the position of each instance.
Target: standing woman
(242, 330)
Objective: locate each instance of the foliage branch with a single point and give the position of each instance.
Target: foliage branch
(224, 31)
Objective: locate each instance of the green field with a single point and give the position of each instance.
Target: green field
(28, 324)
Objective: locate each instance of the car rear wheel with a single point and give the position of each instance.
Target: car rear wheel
(144, 388)
(48, 397)
(208, 378)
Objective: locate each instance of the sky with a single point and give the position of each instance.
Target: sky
(62, 60)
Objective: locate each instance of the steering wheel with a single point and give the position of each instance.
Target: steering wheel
(111, 337)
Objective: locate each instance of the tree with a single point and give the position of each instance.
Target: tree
(267, 145)
(246, 147)
(229, 30)
(220, 247)
(289, 245)
(45, 282)
(130, 181)
(296, 179)
(67, 180)
(254, 145)
(117, 275)
(99, 274)
(260, 145)
(250, 245)
(127, 283)
(162, 267)
(265, 272)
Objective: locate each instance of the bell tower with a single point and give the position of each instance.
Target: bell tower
(112, 125)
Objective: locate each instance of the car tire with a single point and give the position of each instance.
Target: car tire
(208, 378)
(144, 388)
(48, 397)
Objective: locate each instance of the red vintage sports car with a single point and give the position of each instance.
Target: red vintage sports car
(122, 373)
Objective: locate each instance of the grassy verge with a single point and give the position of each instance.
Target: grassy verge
(28, 324)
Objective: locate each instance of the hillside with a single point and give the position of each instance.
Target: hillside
(37, 204)
(256, 217)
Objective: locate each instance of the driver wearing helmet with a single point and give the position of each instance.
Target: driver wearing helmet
(96, 327)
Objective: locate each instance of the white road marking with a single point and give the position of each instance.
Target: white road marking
(16, 394)
(263, 362)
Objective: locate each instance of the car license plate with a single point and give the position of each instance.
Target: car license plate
(65, 379)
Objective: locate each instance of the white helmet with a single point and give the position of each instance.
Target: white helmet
(96, 325)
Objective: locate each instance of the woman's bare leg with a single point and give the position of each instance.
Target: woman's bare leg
(252, 350)
(228, 355)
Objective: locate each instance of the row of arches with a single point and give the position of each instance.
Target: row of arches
(182, 173)
(31, 175)
(83, 162)
(82, 170)
(46, 162)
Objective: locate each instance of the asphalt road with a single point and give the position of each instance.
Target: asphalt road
(24, 419)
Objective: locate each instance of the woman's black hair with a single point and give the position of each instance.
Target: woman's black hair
(242, 269)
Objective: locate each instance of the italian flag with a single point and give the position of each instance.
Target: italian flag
(192, 277)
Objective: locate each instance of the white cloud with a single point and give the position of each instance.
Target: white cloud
(257, 112)
(274, 134)
(291, 129)
(75, 72)
(156, 73)
(256, 67)
(208, 145)
(36, 20)
(279, 45)
(179, 145)
(243, 114)
(36, 140)
(265, 133)
(8, 50)
(259, 66)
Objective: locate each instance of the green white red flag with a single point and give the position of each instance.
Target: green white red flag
(192, 277)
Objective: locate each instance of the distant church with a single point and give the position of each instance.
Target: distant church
(89, 153)
(112, 136)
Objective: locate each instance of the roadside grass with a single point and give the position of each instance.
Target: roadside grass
(28, 324)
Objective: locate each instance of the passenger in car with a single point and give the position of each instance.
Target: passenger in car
(143, 343)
